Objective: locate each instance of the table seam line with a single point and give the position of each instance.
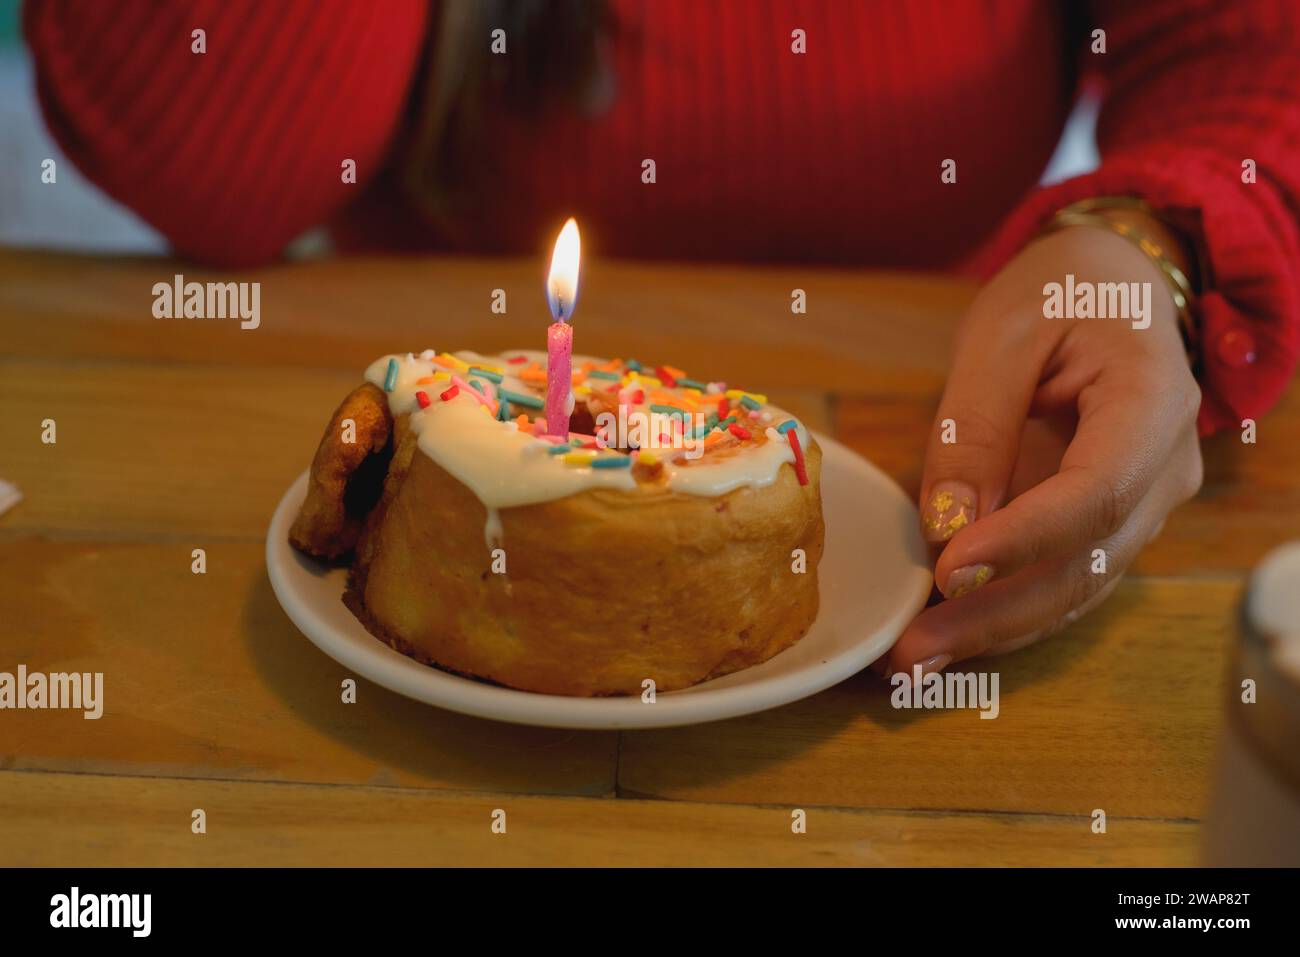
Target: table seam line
(624, 798)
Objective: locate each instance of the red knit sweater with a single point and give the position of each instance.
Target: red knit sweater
(760, 152)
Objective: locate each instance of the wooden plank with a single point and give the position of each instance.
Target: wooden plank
(161, 451)
(154, 450)
(889, 426)
(204, 676)
(78, 820)
(1249, 504)
(1118, 712)
(717, 321)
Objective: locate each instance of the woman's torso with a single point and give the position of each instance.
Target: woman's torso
(833, 155)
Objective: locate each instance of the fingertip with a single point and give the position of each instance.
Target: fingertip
(921, 642)
(967, 578)
(949, 507)
(975, 545)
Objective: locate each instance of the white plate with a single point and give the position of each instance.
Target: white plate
(874, 579)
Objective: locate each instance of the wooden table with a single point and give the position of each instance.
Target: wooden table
(183, 434)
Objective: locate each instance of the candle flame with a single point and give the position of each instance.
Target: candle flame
(562, 284)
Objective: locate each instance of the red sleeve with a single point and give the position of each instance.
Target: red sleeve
(233, 152)
(1193, 89)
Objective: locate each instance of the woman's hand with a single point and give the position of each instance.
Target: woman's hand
(1071, 435)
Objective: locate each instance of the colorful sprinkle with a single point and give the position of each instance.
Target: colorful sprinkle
(558, 450)
(633, 365)
(597, 374)
(665, 376)
(450, 393)
(475, 393)
(486, 373)
(390, 377)
(691, 383)
(800, 467)
(787, 425)
(449, 361)
(668, 410)
(647, 458)
(740, 393)
(527, 401)
(422, 397)
(610, 462)
(741, 433)
(515, 360)
(749, 403)
(579, 458)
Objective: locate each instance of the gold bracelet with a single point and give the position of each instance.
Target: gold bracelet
(1087, 213)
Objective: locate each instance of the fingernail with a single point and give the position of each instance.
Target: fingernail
(950, 509)
(966, 579)
(935, 663)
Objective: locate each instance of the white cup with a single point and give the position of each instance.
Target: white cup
(1254, 818)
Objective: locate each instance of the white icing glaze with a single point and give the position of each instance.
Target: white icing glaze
(505, 467)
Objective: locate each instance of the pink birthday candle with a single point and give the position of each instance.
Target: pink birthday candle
(562, 296)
